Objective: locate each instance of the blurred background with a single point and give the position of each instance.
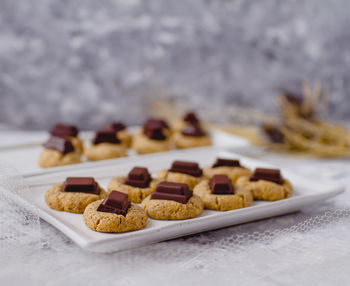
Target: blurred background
(87, 62)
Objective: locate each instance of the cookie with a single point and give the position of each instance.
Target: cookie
(172, 210)
(266, 190)
(189, 118)
(153, 137)
(78, 144)
(73, 202)
(134, 219)
(103, 151)
(232, 172)
(52, 158)
(189, 133)
(184, 172)
(125, 137)
(182, 141)
(59, 151)
(120, 132)
(223, 202)
(105, 145)
(135, 194)
(144, 145)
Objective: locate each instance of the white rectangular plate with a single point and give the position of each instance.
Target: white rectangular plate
(306, 192)
(25, 157)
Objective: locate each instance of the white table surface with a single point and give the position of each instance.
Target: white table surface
(317, 256)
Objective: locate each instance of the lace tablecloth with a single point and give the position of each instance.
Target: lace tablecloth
(310, 247)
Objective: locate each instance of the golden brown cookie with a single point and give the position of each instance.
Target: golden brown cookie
(135, 219)
(52, 158)
(78, 144)
(167, 176)
(135, 194)
(266, 190)
(223, 202)
(103, 151)
(182, 141)
(232, 172)
(143, 145)
(73, 202)
(178, 125)
(190, 118)
(125, 137)
(171, 210)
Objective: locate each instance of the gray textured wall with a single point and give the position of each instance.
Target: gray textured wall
(88, 61)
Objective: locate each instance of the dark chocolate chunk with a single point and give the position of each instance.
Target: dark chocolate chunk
(154, 133)
(193, 130)
(116, 202)
(138, 177)
(154, 129)
(156, 121)
(172, 191)
(63, 130)
(221, 184)
(81, 185)
(273, 133)
(105, 136)
(61, 144)
(115, 126)
(190, 168)
(226, 162)
(191, 118)
(272, 175)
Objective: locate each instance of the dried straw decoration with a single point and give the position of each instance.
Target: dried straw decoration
(300, 130)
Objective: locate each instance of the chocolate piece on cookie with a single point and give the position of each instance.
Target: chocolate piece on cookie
(81, 184)
(119, 128)
(191, 118)
(137, 185)
(172, 191)
(154, 133)
(189, 168)
(221, 184)
(61, 144)
(220, 162)
(272, 175)
(105, 136)
(138, 177)
(156, 121)
(116, 202)
(63, 130)
(154, 129)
